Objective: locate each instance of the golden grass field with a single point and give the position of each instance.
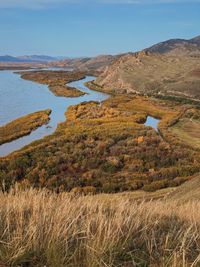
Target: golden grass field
(41, 228)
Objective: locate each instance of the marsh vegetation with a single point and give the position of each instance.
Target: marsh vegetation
(23, 126)
(108, 148)
(57, 81)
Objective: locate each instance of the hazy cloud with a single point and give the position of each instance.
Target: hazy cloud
(51, 3)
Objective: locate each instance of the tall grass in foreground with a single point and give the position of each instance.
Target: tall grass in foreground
(38, 228)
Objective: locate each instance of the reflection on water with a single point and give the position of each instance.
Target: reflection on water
(152, 122)
(19, 97)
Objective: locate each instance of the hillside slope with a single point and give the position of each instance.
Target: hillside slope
(187, 191)
(153, 74)
(179, 47)
(92, 64)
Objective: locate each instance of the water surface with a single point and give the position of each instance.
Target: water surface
(152, 122)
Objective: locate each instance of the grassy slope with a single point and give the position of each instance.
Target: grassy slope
(188, 131)
(188, 191)
(41, 228)
(23, 126)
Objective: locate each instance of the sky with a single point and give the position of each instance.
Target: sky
(75, 28)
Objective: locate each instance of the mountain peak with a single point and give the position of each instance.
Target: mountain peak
(196, 40)
(177, 47)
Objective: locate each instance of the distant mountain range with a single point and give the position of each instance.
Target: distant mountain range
(29, 59)
(97, 63)
(173, 47)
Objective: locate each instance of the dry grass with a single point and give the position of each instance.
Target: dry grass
(188, 131)
(41, 228)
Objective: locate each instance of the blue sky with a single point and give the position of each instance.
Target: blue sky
(93, 27)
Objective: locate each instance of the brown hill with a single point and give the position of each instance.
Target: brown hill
(98, 63)
(179, 47)
(153, 74)
(196, 40)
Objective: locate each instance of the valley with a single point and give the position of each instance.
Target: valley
(107, 148)
(102, 171)
(108, 145)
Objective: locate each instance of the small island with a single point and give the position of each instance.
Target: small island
(23, 125)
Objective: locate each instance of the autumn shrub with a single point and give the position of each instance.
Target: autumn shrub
(155, 185)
